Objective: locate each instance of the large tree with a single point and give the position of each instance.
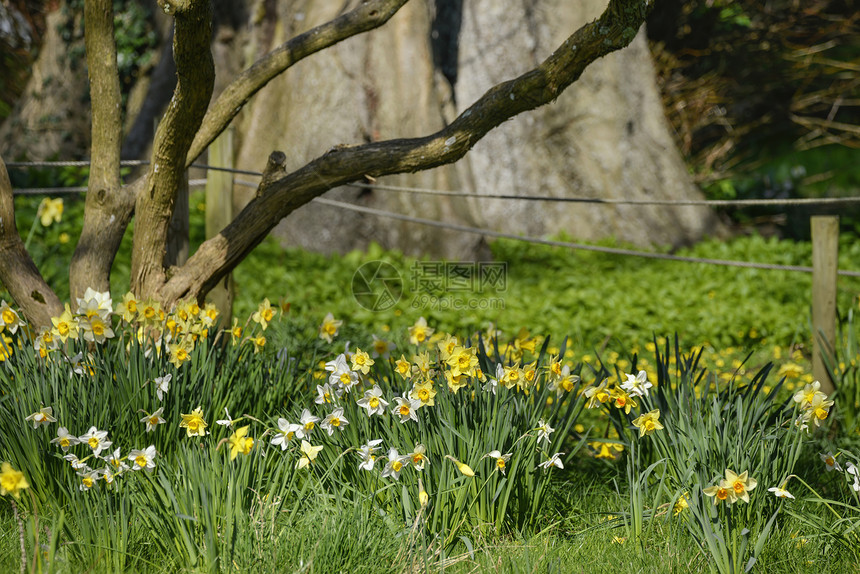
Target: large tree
(192, 121)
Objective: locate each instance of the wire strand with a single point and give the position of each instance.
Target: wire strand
(579, 246)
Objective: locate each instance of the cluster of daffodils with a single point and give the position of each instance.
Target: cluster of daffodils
(814, 405)
(349, 377)
(732, 488)
(96, 319)
(99, 461)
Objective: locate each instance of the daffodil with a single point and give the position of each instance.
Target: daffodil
(95, 303)
(12, 481)
(88, 479)
(193, 423)
(367, 454)
(326, 395)
(341, 376)
(680, 505)
(544, 430)
(226, 422)
(852, 470)
(153, 420)
(361, 362)
(77, 464)
(308, 421)
(648, 423)
(464, 468)
(180, 352)
(721, 492)
(406, 408)
(463, 361)
(418, 457)
(446, 346)
(116, 462)
(373, 402)
(96, 439)
(334, 420)
(403, 367)
(309, 453)
(419, 332)
(264, 314)
(830, 462)
(396, 463)
(424, 392)
(50, 211)
(809, 392)
(65, 439)
(554, 460)
(127, 308)
(423, 497)
(9, 318)
(740, 484)
(43, 416)
(6, 346)
(638, 385)
(162, 385)
(239, 441)
(623, 401)
(143, 459)
(65, 326)
(501, 460)
(597, 395)
(382, 348)
(96, 329)
(286, 432)
(819, 408)
(780, 492)
(565, 382)
(329, 327)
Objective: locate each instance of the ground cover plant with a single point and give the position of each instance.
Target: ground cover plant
(430, 448)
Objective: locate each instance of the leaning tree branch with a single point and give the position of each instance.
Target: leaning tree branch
(278, 196)
(103, 214)
(369, 15)
(154, 204)
(18, 273)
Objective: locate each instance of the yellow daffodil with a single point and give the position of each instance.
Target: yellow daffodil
(361, 362)
(740, 484)
(648, 422)
(419, 332)
(50, 211)
(403, 367)
(329, 327)
(310, 453)
(264, 314)
(12, 481)
(239, 441)
(464, 468)
(43, 416)
(721, 492)
(193, 423)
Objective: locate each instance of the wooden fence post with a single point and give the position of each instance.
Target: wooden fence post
(825, 255)
(219, 213)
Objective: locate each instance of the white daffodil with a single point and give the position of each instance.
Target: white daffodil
(396, 463)
(366, 453)
(335, 420)
(65, 439)
(500, 459)
(153, 420)
(406, 408)
(544, 430)
(308, 422)
(116, 462)
(286, 432)
(43, 416)
(373, 401)
(143, 459)
(162, 385)
(554, 460)
(637, 386)
(96, 440)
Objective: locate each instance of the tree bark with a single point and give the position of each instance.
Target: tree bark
(18, 273)
(90, 266)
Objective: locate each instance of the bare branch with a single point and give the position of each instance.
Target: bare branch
(88, 268)
(369, 15)
(154, 205)
(18, 273)
(615, 29)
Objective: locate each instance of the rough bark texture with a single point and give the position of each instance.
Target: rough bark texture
(154, 206)
(89, 268)
(51, 119)
(606, 137)
(18, 273)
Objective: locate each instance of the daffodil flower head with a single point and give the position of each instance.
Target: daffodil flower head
(740, 484)
(648, 423)
(464, 468)
(12, 481)
(50, 211)
(830, 462)
(329, 328)
(143, 459)
(722, 492)
(43, 416)
(239, 441)
(193, 423)
(420, 332)
(373, 402)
